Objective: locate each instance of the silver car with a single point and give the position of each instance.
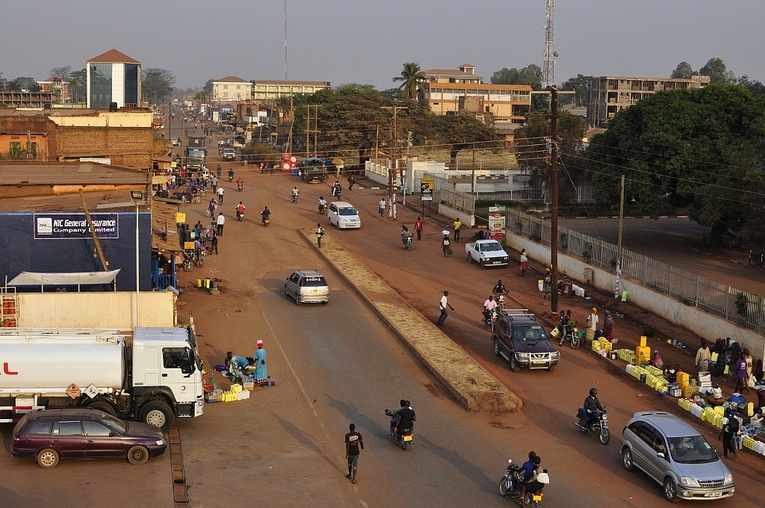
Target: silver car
(307, 286)
(674, 454)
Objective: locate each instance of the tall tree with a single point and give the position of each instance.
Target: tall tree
(683, 71)
(78, 84)
(461, 131)
(157, 85)
(23, 83)
(533, 143)
(699, 150)
(581, 85)
(753, 85)
(208, 88)
(61, 73)
(529, 75)
(412, 79)
(715, 69)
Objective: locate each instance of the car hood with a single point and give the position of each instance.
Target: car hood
(143, 430)
(494, 254)
(533, 346)
(716, 470)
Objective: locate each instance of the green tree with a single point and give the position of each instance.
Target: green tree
(715, 69)
(61, 73)
(412, 79)
(755, 87)
(208, 88)
(581, 85)
(683, 71)
(23, 83)
(461, 131)
(529, 75)
(78, 85)
(157, 85)
(534, 149)
(698, 150)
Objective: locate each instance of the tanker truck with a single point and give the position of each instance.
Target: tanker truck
(154, 376)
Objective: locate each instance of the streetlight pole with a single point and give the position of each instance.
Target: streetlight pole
(137, 198)
(554, 191)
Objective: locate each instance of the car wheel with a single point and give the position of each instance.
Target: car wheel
(104, 406)
(47, 458)
(513, 363)
(138, 455)
(158, 414)
(496, 347)
(627, 462)
(286, 292)
(670, 490)
(470, 258)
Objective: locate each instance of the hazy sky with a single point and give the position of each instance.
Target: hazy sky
(364, 41)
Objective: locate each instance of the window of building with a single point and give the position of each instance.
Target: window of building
(100, 85)
(32, 154)
(15, 150)
(131, 84)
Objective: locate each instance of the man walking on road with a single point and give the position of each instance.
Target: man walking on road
(220, 222)
(457, 227)
(443, 304)
(418, 228)
(353, 444)
(220, 195)
(381, 207)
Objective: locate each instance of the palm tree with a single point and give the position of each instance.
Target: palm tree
(411, 79)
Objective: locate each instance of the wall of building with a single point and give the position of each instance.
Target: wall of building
(97, 310)
(22, 252)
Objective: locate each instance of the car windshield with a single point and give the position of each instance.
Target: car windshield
(492, 247)
(528, 333)
(115, 424)
(347, 211)
(691, 450)
(313, 281)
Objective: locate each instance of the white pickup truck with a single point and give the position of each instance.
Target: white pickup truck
(486, 253)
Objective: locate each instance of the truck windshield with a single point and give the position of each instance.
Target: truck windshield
(492, 247)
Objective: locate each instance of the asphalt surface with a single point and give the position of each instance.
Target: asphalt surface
(339, 363)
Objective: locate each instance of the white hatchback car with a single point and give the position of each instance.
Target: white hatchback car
(307, 286)
(343, 215)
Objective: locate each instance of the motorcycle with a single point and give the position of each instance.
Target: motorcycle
(266, 221)
(500, 299)
(597, 423)
(489, 317)
(239, 215)
(239, 187)
(571, 336)
(322, 209)
(403, 437)
(510, 485)
(188, 260)
(406, 240)
(295, 197)
(230, 176)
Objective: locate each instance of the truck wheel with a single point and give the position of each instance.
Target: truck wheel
(513, 363)
(47, 458)
(496, 347)
(138, 455)
(470, 259)
(158, 414)
(482, 264)
(104, 406)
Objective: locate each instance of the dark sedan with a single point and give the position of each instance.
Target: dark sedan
(50, 435)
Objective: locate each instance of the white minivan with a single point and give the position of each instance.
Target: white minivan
(343, 215)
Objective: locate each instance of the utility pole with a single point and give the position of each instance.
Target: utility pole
(392, 171)
(618, 266)
(554, 191)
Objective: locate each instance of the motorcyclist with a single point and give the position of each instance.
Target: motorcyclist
(488, 308)
(230, 174)
(499, 288)
(528, 471)
(322, 204)
(394, 414)
(405, 234)
(295, 194)
(405, 419)
(265, 214)
(532, 483)
(592, 406)
(240, 208)
(240, 183)
(219, 171)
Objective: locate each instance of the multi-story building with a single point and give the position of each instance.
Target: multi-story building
(35, 100)
(448, 91)
(58, 87)
(271, 89)
(611, 94)
(113, 77)
(231, 89)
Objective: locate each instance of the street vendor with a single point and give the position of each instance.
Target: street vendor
(715, 395)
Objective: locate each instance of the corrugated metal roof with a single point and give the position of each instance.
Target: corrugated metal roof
(56, 173)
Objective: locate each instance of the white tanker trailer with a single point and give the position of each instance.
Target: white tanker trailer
(153, 377)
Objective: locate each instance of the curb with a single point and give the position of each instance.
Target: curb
(468, 382)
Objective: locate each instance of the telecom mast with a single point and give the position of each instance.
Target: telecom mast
(548, 69)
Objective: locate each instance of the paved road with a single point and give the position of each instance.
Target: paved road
(335, 363)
